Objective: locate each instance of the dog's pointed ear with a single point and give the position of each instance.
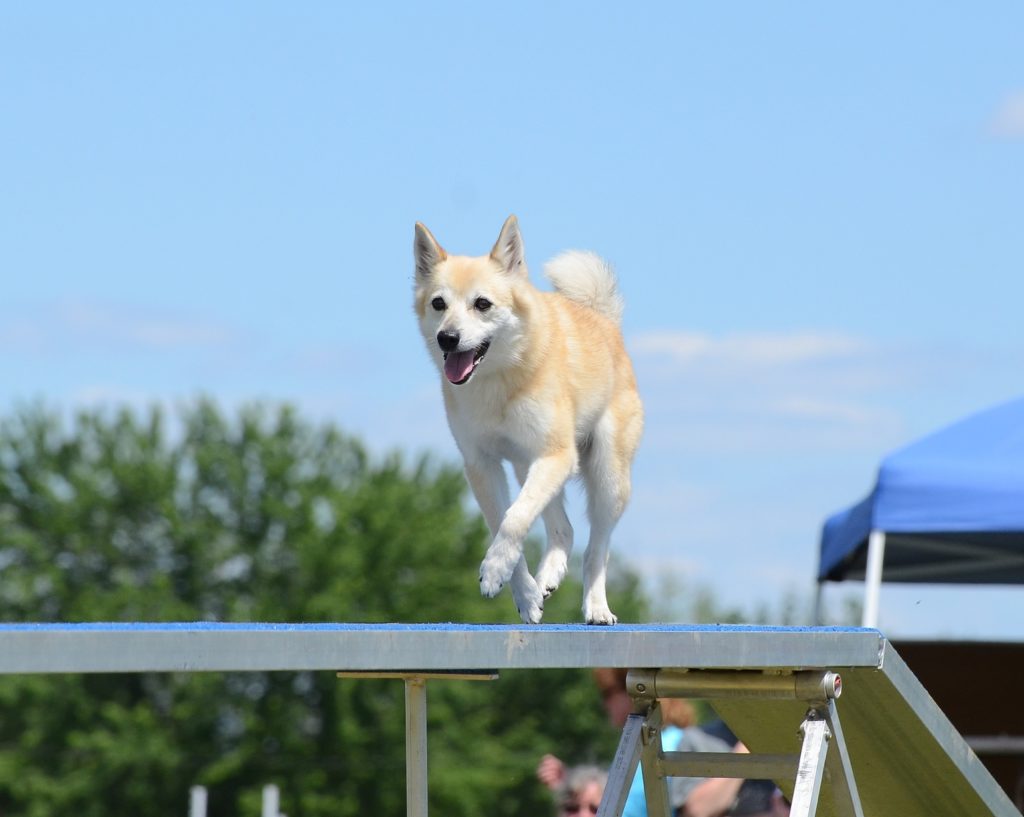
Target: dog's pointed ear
(427, 252)
(508, 249)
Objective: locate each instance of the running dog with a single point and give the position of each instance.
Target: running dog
(542, 380)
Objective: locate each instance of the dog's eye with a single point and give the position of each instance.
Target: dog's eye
(482, 304)
(438, 304)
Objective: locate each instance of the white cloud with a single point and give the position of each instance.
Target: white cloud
(98, 395)
(21, 335)
(1008, 120)
(747, 349)
(764, 391)
(76, 326)
(138, 326)
(814, 409)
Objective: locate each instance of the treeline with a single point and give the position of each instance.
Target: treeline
(120, 516)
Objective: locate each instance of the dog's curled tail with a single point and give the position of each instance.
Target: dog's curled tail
(586, 278)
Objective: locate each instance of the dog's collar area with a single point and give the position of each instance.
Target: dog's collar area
(459, 366)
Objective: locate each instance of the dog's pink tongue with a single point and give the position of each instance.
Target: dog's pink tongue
(458, 366)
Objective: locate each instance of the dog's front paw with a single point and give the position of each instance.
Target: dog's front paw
(490, 584)
(498, 566)
(493, 575)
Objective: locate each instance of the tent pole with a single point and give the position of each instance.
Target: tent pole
(873, 577)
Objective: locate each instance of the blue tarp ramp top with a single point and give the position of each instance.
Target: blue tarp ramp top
(948, 508)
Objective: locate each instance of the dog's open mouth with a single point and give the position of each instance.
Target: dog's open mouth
(459, 366)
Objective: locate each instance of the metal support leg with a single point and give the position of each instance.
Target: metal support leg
(655, 785)
(821, 728)
(416, 746)
(416, 725)
(640, 745)
(623, 768)
(873, 578)
(811, 767)
(840, 771)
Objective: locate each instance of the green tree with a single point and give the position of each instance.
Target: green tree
(262, 517)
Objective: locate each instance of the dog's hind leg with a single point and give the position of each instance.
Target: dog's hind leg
(526, 593)
(555, 561)
(595, 563)
(606, 475)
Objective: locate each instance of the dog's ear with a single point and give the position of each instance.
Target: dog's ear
(427, 252)
(508, 249)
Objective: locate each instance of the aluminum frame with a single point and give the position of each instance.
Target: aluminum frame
(918, 764)
(641, 739)
(223, 647)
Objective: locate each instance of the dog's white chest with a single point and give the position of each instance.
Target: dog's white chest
(515, 431)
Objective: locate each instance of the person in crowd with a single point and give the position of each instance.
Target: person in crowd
(690, 797)
(579, 793)
(759, 798)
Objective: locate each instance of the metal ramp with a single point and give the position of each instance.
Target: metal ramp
(894, 754)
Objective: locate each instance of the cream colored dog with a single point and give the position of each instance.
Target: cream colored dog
(540, 379)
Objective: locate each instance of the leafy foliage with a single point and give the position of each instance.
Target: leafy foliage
(260, 518)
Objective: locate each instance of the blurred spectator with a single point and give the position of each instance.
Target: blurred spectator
(581, 791)
(759, 798)
(689, 796)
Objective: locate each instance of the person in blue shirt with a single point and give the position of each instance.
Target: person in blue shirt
(689, 796)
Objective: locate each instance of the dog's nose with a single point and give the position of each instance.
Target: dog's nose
(447, 340)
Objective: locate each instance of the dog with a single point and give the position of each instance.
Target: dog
(541, 380)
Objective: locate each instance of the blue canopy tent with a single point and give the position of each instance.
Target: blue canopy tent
(948, 508)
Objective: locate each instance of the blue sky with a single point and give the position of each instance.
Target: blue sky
(815, 214)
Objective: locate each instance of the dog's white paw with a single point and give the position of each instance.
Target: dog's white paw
(498, 566)
(490, 585)
(551, 571)
(598, 614)
(528, 598)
